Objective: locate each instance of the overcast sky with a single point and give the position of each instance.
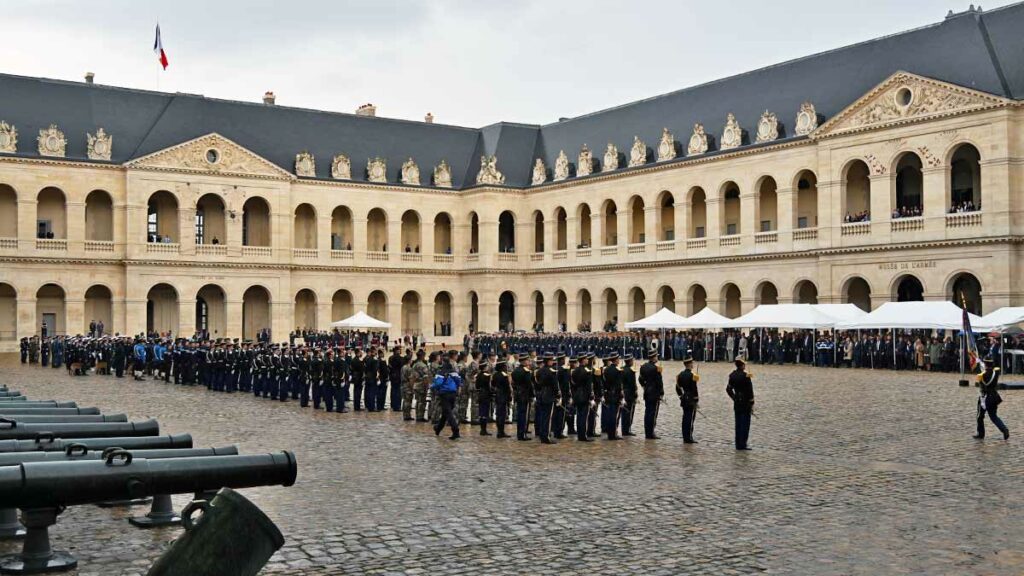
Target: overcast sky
(469, 62)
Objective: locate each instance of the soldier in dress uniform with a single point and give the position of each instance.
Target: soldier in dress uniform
(395, 363)
(548, 396)
(370, 375)
(383, 377)
(357, 367)
(523, 389)
(654, 392)
(741, 390)
(468, 390)
(407, 377)
(989, 400)
(629, 396)
(597, 384)
(502, 388)
(562, 413)
(686, 389)
(482, 385)
(613, 402)
(582, 384)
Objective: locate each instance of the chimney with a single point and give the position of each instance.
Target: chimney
(269, 98)
(429, 118)
(89, 77)
(366, 110)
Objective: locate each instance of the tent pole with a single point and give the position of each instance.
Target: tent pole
(893, 332)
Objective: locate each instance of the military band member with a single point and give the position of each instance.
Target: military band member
(654, 391)
(523, 389)
(989, 400)
(629, 396)
(741, 390)
(686, 389)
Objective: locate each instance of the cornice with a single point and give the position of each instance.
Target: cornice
(68, 163)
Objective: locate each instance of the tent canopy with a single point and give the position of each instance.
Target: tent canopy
(796, 316)
(662, 319)
(1004, 318)
(706, 319)
(841, 312)
(914, 315)
(360, 321)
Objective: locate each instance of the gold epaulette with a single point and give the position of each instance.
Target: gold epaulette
(597, 371)
(979, 377)
(659, 368)
(696, 377)
(750, 374)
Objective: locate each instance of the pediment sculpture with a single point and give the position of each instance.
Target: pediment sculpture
(100, 145)
(8, 138)
(376, 169)
(561, 166)
(667, 146)
(540, 172)
(638, 153)
(443, 175)
(806, 119)
(489, 173)
(611, 158)
(410, 173)
(341, 168)
(732, 135)
(767, 127)
(52, 142)
(698, 141)
(305, 165)
(585, 165)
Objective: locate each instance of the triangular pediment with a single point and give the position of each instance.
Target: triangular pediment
(211, 154)
(904, 98)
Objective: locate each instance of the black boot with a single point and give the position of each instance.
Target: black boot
(455, 435)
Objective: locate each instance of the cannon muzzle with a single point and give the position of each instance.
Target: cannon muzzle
(120, 476)
(46, 411)
(75, 419)
(48, 444)
(10, 430)
(26, 403)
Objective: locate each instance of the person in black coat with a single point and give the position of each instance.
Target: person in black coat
(582, 386)
(501, 387)
(990, 399)
(548, 395)
(613, 401)
(741, 390)
(630, 394)
(484, 395)
(654, 391)
(686, 389)
(522, 387)
(563, 412)
(395, 363)
(358, 365)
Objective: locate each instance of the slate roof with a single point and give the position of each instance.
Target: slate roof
(983, 51)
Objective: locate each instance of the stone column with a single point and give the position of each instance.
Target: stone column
(26, 321)
(74, 317)
(550, 244)
(652, 225)
(27, 226)
(282, 319)
(75, 228)
(712, 218)
(427, 241)
(749, 224)
(572, 313)
(934, 197)
(786, 199)
(625, 309)
(682, 220)
(186, 318)
(427, 319)
(523, 313)
(394, 236)
(622, 225)
(572, 233)
(596, 229)
(323, 313)
(550, 314)
(881, 205)
(323, 236)
(233, 311)
(135, 316)
(187, 229)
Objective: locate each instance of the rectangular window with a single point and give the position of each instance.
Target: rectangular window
(670, 235)
(200, 226)
(152, 224)
(245, 228)
(699, 232)
(730, 229)
(766, 225)
(801, 222)
(44, 229)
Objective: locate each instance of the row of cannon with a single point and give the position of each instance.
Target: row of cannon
(55, 454)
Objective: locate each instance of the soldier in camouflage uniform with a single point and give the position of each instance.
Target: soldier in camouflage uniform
(408, 386)
(421, 376)
(433, 399)
(467, 391)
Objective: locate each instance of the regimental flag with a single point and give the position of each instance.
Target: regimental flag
(158, 49)
(970, 345)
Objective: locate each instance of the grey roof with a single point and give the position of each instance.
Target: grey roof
(984, 51)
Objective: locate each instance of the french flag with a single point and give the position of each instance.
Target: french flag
(158, 49)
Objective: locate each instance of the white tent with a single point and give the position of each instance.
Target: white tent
(796, 316)
(707, 319)
(663, 319)
(841, 312)
(1003, 319)
(914, 315)
(360, 321)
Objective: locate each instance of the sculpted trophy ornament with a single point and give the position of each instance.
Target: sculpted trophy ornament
(100, 145)
(638, 153)
(489, 171)
(443, 175)
(52, 142)
(305, 165)
(667, 146)
(806, 119)
(698, 142)
(410, 173)
(376, 169)
(767, 127)
(341, 168)
(732, 135)
(8, 138)
(585, 165)
(540, 172)
(611, 158)
(561, 166)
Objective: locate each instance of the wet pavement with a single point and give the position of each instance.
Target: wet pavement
(852, 472)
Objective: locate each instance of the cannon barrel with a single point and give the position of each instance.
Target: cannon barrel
(5, 393)
(18, 399)
(18, 431)
(76, 452)
(44, 411)
(76, 419)
(127, 442)
(121, 477)
(26, 403)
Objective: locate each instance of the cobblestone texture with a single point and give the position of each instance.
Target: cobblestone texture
(853, 472)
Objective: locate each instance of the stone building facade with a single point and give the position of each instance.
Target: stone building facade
(910, 190)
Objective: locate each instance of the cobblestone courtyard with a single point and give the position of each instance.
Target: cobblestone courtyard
(852, 472)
